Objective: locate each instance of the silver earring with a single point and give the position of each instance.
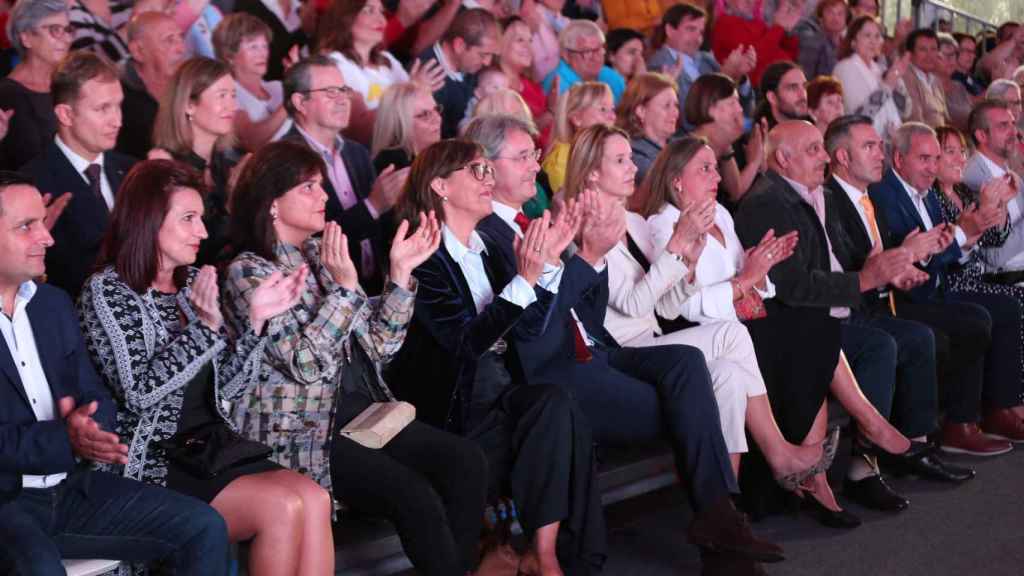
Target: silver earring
(188, 117)
(444, 198)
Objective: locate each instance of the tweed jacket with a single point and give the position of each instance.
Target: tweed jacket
(929, 101)
(293, 394)
(148, 347)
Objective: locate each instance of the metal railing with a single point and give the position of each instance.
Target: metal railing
(928, 13)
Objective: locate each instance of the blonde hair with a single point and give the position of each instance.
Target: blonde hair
(579, 97)
(172, 129)
(586, 156)
(505, 102)
(394, 125)
(641, 90)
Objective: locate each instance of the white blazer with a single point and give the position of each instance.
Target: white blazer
(709, 299)
(632, 293)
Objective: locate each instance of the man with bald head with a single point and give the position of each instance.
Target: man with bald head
(789, 197)
(157, 46)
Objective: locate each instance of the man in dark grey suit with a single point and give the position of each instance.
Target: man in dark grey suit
(317, 99)
(680, 56)
(79, 166)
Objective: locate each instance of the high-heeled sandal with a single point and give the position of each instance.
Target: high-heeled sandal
(793, 482)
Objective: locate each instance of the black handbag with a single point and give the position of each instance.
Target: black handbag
(207, 450)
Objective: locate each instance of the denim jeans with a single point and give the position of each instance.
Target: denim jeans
(100, 515)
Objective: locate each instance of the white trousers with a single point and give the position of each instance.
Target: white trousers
(735, 375)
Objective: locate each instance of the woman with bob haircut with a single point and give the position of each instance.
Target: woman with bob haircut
(195, 125)
(648, 112)
(321, 362)
(472, 306)
(410, 120)
(798, 349)
(713, 108)
(638, 283)
(153, 326)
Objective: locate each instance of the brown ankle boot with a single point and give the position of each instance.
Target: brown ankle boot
(722, 529)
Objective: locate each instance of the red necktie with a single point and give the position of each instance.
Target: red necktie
(522, 221)
(579, 344)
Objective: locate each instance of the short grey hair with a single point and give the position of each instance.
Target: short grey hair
(27, 14)
(998, 89)
(905, 135)
(491, 131)
(577, 29)
(299, 77)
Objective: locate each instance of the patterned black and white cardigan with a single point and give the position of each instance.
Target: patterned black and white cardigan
(149, 347)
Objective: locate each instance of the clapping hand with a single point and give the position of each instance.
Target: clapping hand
(740, 62)
(409, 252)
(5, 122)
(998, 191)
(429, 75)
(335, 257)
(923, 244)
(564, 227)
(54, 208)
(910, 278)
(277, 293)
(205, 298)
(530, 249)
(755, 144)
(896, 71)
(87, 439)
(975, 220)
(387, 188)
(604, 223)
(769, 251)
(690, 232)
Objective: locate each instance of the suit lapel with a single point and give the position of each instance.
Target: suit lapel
(456, 274)
(904, 201)
(11, 371)
(44, 332)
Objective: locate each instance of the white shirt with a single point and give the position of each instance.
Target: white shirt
(449, 70)
(471, 262)
(80, 164)
(258, 109)
(855, 195)
(917, 198)
(370, 81)
(21, 342)
(1012, 207)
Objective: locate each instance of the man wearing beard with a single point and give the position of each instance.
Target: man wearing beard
(992, 129)
(904, 389)
(783, 86)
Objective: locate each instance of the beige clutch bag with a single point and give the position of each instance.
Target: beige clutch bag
(379, 423)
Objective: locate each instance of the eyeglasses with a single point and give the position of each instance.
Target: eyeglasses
(429, 113)
(526, 156)
(479, 170)
(57, 32)
(589, 52)
(332, 92)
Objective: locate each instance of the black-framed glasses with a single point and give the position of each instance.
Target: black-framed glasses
(525, 156)
(58, 31)
(479, 170)
(332, 92)
(429, 113)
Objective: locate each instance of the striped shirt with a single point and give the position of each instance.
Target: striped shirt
(91, 33)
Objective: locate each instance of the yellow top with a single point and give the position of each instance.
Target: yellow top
(555, 164)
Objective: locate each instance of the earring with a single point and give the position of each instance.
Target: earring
(188, 116)
(273, 212)
(444, 199)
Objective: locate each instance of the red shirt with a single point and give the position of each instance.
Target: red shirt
(770, 42)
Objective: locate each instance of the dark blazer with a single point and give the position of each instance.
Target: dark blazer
(551, 354)
(79, 231)
(138, 115)
(891, 200)
(851, 242)
(26, 445)
(436, 367)
(357, 222)
(806, 278)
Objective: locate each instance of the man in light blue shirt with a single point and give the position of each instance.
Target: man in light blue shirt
(582, 60)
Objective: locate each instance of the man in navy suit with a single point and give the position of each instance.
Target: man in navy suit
(79, 167)
(317, 99)
(54, 417)
(630, 395)
(983, 330)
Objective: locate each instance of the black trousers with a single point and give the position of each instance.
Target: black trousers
(431, 484)
(976, 347)
(541, 452)
(639, 395)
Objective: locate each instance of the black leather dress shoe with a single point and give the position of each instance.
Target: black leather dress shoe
(830, 518)
(922, 460)
(872, 492)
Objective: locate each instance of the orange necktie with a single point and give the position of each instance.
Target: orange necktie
(876, 237)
